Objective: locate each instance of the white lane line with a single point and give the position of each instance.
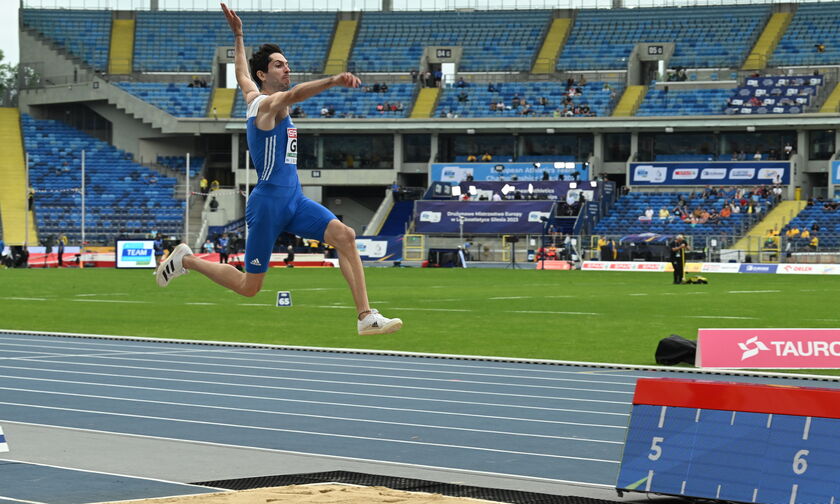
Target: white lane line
(10, 298)
(639, 294)
(751, 291)
(362, 360)
(317, 403)
(327, 392)
(13, 499)
(201, 304)
(254, 304)
(719, 317)
(341, 373)
(369, 367)
(313, 433)
(127, 476)
(553, 312)
(321, 417)
(807, 429)
(343, 307)
(126, 301)
(309, 454)
(512, 297)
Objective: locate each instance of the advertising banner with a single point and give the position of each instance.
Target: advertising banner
(769, 348)
(547, 189)
(492, 217)
(135, 254)
(380, 248)
(710, 173)
(458, 171)
(835, 172)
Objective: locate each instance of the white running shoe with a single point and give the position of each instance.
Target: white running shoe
(375, 323)
(173, 266)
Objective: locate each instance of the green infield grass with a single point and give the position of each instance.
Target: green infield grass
(580, 316)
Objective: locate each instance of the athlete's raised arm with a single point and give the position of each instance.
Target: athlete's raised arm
(278, 102)
(243, 76)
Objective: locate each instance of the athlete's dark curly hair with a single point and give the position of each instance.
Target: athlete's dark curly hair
(260, 59)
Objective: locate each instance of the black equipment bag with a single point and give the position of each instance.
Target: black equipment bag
(675, 349)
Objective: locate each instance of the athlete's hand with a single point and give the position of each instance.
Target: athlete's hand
(233, 20)
(347, 79)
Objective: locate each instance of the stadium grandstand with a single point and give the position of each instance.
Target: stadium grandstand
(657, 104)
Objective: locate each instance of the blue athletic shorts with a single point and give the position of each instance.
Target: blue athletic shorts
(274, 209)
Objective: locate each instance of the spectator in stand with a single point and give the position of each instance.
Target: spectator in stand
(215, 185)
(526, 109)
(325, 111)
(202, 187)
(543, 101)
(493, 106)
(754, 102)
(664, 213)
(463, 97)
(581, 81)
(471, 158)
(208, 246)
(515, 102)
(438, 78)
(214, 205)
(429, 79)
(725, 212)
(814, 244)
(648, 213)
(757, 156)
(461, 83)
(222, 247)
(383, 88)
(491, 88)
(788, 150)
(486, 157)
(414, 74)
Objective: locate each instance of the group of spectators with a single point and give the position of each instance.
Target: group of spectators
(772, 154)
(197, 83)
(737, 200)
(427, 78)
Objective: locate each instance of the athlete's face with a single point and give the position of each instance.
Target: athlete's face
(279, 75)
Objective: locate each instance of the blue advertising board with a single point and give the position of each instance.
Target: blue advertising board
(457, 172)
(380, 248)
(710, 173)
(482, 217)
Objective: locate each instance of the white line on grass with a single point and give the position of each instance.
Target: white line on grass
(317, 403)
(512, 297)
(321, 417)
(719, 317)
(553, 312)
(751, 291)
(202, 304)
(639, 294)
(272, 372)
(24, 299)
(109, 301)
(313, 433)
(430, 309)
(104, 294)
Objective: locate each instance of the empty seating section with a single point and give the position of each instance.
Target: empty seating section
(84, 33)
(176, 99)
(623, 219)
(595, 95)
(492, 40)
(349, 102)
(814, 23)
(705, 37)
(775, 95)
(179, 163)
(397, 219)
(827, 220)
(121, 196)
(657, 102)
(175, 41)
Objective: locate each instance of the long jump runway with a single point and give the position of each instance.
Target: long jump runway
(528, 421)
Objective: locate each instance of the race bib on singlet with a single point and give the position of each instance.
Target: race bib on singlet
(291, 146)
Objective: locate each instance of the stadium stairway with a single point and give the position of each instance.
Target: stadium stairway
(630, 101)
(783, 213)
(222, 102)
(345, 33)
(832, 103)
(13, 204)
(552, 45)
(397, 219)
(767, 41)
(120, 57)
(425, 104)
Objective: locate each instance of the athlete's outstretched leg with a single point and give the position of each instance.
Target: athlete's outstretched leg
(343, 238)
(226, 275)
(182, 260)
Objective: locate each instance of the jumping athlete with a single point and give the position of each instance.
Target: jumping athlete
(277, 202)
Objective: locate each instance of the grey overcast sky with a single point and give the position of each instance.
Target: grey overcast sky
(9, 31)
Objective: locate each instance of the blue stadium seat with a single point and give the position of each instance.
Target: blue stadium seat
(121, 197)
(812, 24)
(84, 33)
(180, 100)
